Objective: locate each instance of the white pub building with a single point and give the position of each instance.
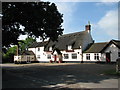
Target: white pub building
(76, 47)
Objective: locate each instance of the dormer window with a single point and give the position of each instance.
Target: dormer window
(112, 45)
(69, 47)
(50, 48)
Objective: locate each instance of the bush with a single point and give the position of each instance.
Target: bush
(8, 58)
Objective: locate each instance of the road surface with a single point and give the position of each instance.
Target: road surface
(58, 76)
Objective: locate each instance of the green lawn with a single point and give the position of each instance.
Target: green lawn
(111, 72)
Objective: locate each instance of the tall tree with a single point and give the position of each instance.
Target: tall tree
(39, 19)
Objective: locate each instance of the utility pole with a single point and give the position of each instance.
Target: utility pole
(17, 50)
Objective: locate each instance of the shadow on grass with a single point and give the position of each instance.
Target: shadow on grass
(111, 72)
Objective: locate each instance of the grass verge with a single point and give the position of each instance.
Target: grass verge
(111, 72)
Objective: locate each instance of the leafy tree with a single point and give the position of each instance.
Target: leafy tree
(11, 50)
(9, 55)
(25, 44)
(40, 19)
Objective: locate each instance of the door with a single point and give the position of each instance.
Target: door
(55, 58)
(108, 58)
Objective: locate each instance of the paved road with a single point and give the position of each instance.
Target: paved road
(58, 76)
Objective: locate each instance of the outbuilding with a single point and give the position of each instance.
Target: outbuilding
(103, 52)
(25, 57)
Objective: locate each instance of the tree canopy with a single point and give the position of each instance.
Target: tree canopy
(40, 19)
(8, 54)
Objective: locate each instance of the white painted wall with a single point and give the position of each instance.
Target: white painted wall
(32, 49)
(43, 54)
(92, 59)
(76, 51)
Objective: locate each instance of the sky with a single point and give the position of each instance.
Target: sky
(103, 17)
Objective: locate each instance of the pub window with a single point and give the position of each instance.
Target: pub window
(38, 56)
(74, 56)
(118, 54)
(18, 57)
(96, 56)
(66, 56)
(48, 56)
(38, 49)
(28, 58)
(50, 48)
(87, 56)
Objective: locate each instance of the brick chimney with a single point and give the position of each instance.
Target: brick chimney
(88, 27)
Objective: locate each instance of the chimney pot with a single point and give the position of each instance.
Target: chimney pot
(88, 27)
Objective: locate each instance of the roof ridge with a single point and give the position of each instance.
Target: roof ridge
(72, 33)
(116, 40)
(101, 42)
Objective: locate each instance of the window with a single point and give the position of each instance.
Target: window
(96, 56)
(112, 45)
(69, 47)
(74, 56)
(48, 56)
(28, 58)
(19, 58)
(118, 54)
(66, 56)
(38, 49)
(50, 48)
(87, 56)
(38, 56)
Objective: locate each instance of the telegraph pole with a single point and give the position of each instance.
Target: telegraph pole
(17, 50)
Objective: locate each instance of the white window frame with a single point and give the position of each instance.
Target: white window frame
(74, 55)
(66, 56)
(38, 48)
(48, 56)
(119, 54)
(38, 56)
(96, 56)
(50, 48)
(87, 56)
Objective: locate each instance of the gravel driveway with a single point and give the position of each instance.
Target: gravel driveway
(58, 76)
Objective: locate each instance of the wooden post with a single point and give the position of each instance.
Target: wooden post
(17, 51)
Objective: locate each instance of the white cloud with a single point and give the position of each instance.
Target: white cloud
(109, 24)
(105, 3)
(67, 9)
